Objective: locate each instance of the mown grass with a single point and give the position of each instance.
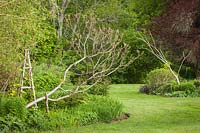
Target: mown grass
(149, 113)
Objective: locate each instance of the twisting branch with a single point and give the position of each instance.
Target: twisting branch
(101, 53)
(158, 53)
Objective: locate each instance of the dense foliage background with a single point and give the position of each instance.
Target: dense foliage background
(35, 25)
(45, 27)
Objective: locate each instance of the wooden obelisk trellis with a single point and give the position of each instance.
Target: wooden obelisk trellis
(27, 68)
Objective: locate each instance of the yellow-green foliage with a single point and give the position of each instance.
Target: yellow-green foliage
(22, 25)
(157, 77)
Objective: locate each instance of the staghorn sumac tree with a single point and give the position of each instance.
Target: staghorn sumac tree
(100, 51)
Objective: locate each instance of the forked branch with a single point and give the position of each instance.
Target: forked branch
(158, 53)
(101, 52)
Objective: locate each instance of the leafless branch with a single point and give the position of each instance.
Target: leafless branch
(160, 55)
(101, 53)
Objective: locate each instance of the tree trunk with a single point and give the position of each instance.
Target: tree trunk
(60, 23)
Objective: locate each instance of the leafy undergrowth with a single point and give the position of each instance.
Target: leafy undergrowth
(149, 113)
(14, 117)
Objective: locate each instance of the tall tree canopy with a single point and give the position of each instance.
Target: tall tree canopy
(178, 30)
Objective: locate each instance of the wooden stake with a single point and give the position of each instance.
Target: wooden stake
(47, 103)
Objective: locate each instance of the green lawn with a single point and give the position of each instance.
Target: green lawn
(149, 114)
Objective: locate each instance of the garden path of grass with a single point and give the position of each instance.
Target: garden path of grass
(149, 113)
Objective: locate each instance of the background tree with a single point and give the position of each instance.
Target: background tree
(131, 17)
(177, 30)
(23, 24)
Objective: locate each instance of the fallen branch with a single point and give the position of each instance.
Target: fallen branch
(101, 53)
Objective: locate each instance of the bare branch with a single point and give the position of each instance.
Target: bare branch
(159, 54)
(101, 53)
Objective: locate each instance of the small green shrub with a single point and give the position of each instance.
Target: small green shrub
(188, 87)
(106, 108)
(166, 88)
(157, 77)
(14, 106)
(99, 89)
(50, 78)
(46, 82)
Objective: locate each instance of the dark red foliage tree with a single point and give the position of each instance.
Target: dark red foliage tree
(178, 29)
